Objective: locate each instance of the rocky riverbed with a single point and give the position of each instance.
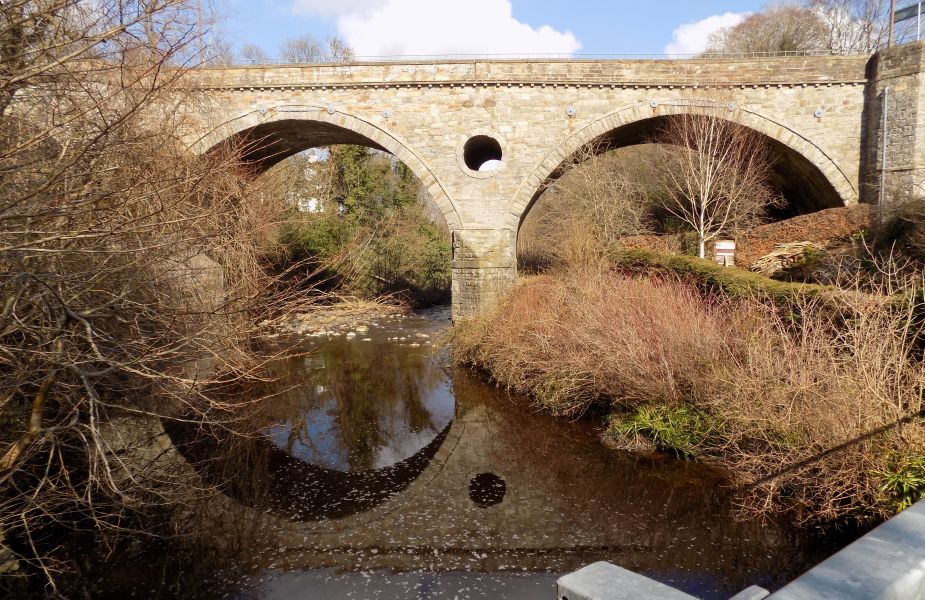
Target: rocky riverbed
(352, 321)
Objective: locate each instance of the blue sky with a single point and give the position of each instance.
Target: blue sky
(433, 27)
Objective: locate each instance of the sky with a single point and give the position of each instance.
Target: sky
(441, 27)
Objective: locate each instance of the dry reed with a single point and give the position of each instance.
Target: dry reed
(813, 411)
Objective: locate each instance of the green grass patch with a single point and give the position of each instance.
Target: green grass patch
(679, 430)
(711, 278)
(905, 483)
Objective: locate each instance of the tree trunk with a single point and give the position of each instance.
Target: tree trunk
(703, 248)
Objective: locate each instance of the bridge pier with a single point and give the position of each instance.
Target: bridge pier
(484, 268)
(895, 144)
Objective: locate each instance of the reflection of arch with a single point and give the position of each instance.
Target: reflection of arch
(296, 489)
(270, 135)
(633, 124)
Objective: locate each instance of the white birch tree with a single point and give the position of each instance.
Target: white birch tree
(718, 179)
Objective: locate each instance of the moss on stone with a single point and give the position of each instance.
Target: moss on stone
(710, 277)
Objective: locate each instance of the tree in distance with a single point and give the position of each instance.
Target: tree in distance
(307, 49)
(833, 26)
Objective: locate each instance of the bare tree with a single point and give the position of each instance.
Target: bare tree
(718, 177)
(836, 26)
(602, 197)
(305, 49)
(338, 50)
(778, 29)
(129, 268)
(254, 54)
(613, 192)
(219, 52)
(851, 26)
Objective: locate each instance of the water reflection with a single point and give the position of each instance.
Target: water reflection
(354, 424)
(375, 459)
(336, 415)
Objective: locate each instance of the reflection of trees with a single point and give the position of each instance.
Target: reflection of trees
(258, 473)
(358, 409)
(370, 390)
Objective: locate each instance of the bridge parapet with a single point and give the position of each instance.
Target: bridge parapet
(730, 72)
(820, 115)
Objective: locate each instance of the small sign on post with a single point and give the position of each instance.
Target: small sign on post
(724, 253)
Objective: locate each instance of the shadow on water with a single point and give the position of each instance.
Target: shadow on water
(377, 472)
(300, 490)
(355, 423)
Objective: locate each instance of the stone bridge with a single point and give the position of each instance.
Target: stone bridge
(823, 117)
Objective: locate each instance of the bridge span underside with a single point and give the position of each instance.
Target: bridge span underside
(821, 115)
(268, 144)
(803, 185)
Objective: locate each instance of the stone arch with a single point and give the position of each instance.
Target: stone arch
(627, 126)
(278, 132)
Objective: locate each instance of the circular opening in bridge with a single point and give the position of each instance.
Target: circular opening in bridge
(487, 489)
(482, 153)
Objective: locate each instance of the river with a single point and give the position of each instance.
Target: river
(381, 471)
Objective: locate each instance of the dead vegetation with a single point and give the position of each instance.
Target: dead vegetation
(816, 416)
(589, 339)
(782, 257)
(130, 270)
(812, 413)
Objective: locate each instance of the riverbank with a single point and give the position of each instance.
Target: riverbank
(359, 320)
(811, 413)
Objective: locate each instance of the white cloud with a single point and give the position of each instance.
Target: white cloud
(336, 7)
(435, 27)
(692, 38)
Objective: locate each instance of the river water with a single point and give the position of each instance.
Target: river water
(379, 471)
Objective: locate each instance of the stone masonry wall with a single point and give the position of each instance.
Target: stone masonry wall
(540, 112)
(483, 269)
(901, 70)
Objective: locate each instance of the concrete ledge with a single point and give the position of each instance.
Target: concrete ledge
(886, 564)
(605, 581)
(752, 593)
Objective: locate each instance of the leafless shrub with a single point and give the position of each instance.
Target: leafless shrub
(130, 269)
(595, 338)
(908, 224)
(601, 198)
(815, 416)
(890, 270)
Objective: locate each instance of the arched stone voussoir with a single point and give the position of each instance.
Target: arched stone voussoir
(534, 182)
(339, 128)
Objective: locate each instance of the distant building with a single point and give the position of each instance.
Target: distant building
(314, 203)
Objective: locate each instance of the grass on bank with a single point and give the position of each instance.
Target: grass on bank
(821, 417)
(709, 277)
